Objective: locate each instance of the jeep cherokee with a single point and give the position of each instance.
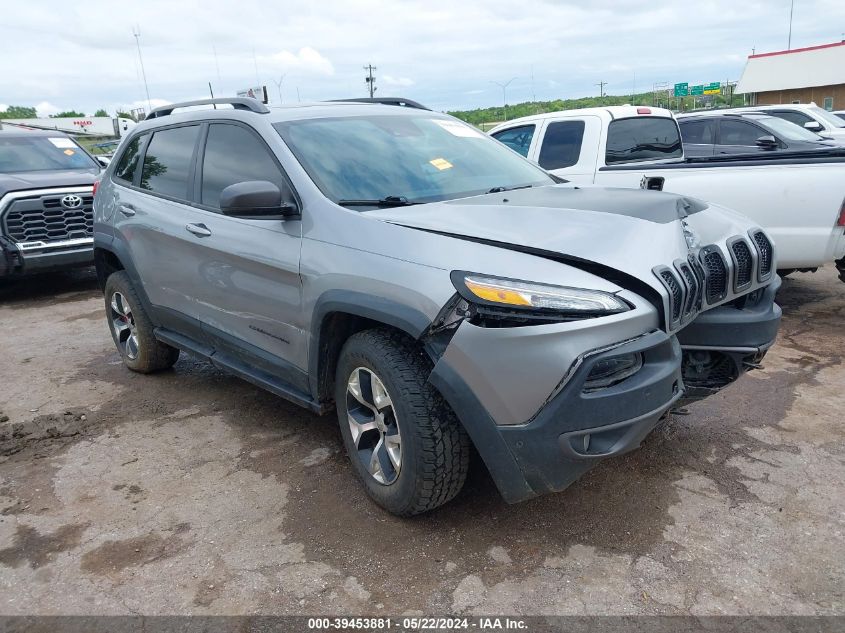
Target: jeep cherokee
(428, 284)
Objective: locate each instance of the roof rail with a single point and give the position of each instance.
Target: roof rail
(238, 103)
(395, 101)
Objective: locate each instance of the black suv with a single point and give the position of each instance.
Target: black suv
(46, 202)
(721, 133)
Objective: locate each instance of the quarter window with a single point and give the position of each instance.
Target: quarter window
(167, 161)
(233, 154)
(517, 138)
(702, 132)
(828, 103)
(125, 170)
(561, 144)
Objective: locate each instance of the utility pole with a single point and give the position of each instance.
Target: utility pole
(279, 86)
(601, 86)
(789, 41)
(504, 87)
(370, 80)
(136, 31)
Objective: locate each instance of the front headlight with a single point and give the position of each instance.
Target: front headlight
(545, 300)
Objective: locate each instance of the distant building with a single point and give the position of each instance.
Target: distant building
(802, 75)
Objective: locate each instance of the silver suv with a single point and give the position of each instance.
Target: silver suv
(428, 284)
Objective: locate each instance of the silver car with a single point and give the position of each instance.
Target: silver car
(428, 284)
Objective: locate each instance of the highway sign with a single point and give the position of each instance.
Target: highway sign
(713, 88)
(682, 89)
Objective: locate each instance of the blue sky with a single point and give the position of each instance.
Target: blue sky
(60, 55)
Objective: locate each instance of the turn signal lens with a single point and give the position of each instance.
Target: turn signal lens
(841, 220)
(95, 187)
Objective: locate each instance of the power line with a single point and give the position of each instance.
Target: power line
(369, 79)
(136, 31)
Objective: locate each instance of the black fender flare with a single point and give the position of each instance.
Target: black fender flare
(398, 315)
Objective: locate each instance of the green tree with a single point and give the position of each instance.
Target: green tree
(101, 112)
(67, 113)
(124, 115)
(18, 112)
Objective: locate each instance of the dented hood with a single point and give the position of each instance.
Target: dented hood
(626, 229)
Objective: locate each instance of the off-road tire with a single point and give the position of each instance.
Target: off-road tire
(435, 447)
(153, 355)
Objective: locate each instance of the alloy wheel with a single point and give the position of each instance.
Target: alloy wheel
(373, 425)
(123, 325)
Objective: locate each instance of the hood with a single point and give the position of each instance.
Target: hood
(20, 181)
(630, 230)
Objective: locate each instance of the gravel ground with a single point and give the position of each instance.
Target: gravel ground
(194, 492)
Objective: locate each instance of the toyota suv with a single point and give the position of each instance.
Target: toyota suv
(432, 287)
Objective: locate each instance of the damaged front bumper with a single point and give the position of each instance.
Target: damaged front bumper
(491, 378)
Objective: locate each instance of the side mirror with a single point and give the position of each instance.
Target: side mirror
(103, 160)
(255, 200)
(813, 126)
(767, 142)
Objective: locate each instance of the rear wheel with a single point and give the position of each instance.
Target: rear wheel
(132, 330)
(405, 443)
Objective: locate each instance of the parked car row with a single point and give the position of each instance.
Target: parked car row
(433, 289)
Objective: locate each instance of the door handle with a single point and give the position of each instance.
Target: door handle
(126, 209)
(200, 230)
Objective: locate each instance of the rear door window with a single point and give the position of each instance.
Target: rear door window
(561, 144)
(233, 154)
(517, 138)
(733, 132)
(642, 138)
(167, 161)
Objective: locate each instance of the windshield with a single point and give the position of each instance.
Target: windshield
(788, 130)
(417, 158)
(824, 115)
(42, 153)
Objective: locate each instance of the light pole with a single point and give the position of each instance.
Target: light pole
(279, 86)
(504, 87)
(137, 33)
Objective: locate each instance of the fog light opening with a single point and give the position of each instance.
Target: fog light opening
(611, 371)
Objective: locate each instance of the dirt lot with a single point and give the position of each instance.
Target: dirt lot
(194, 492)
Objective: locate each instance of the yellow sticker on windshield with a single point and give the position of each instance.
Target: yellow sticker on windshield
(69, 152)
(441, 163)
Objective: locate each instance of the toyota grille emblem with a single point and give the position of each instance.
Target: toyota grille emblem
(71, 202)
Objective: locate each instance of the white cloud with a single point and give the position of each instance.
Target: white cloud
(3, 107)
(307, 59)
(396, 81)
(450, 52)
(45, 108)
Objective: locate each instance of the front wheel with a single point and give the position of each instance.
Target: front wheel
(132, 330)
(405, 443)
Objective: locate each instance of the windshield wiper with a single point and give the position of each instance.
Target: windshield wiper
(501, 189)
(387, 201)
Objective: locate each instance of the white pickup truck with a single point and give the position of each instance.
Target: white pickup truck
(798, 198)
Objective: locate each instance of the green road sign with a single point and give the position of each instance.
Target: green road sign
(681, 90)
(696, 90)
(713, 88)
